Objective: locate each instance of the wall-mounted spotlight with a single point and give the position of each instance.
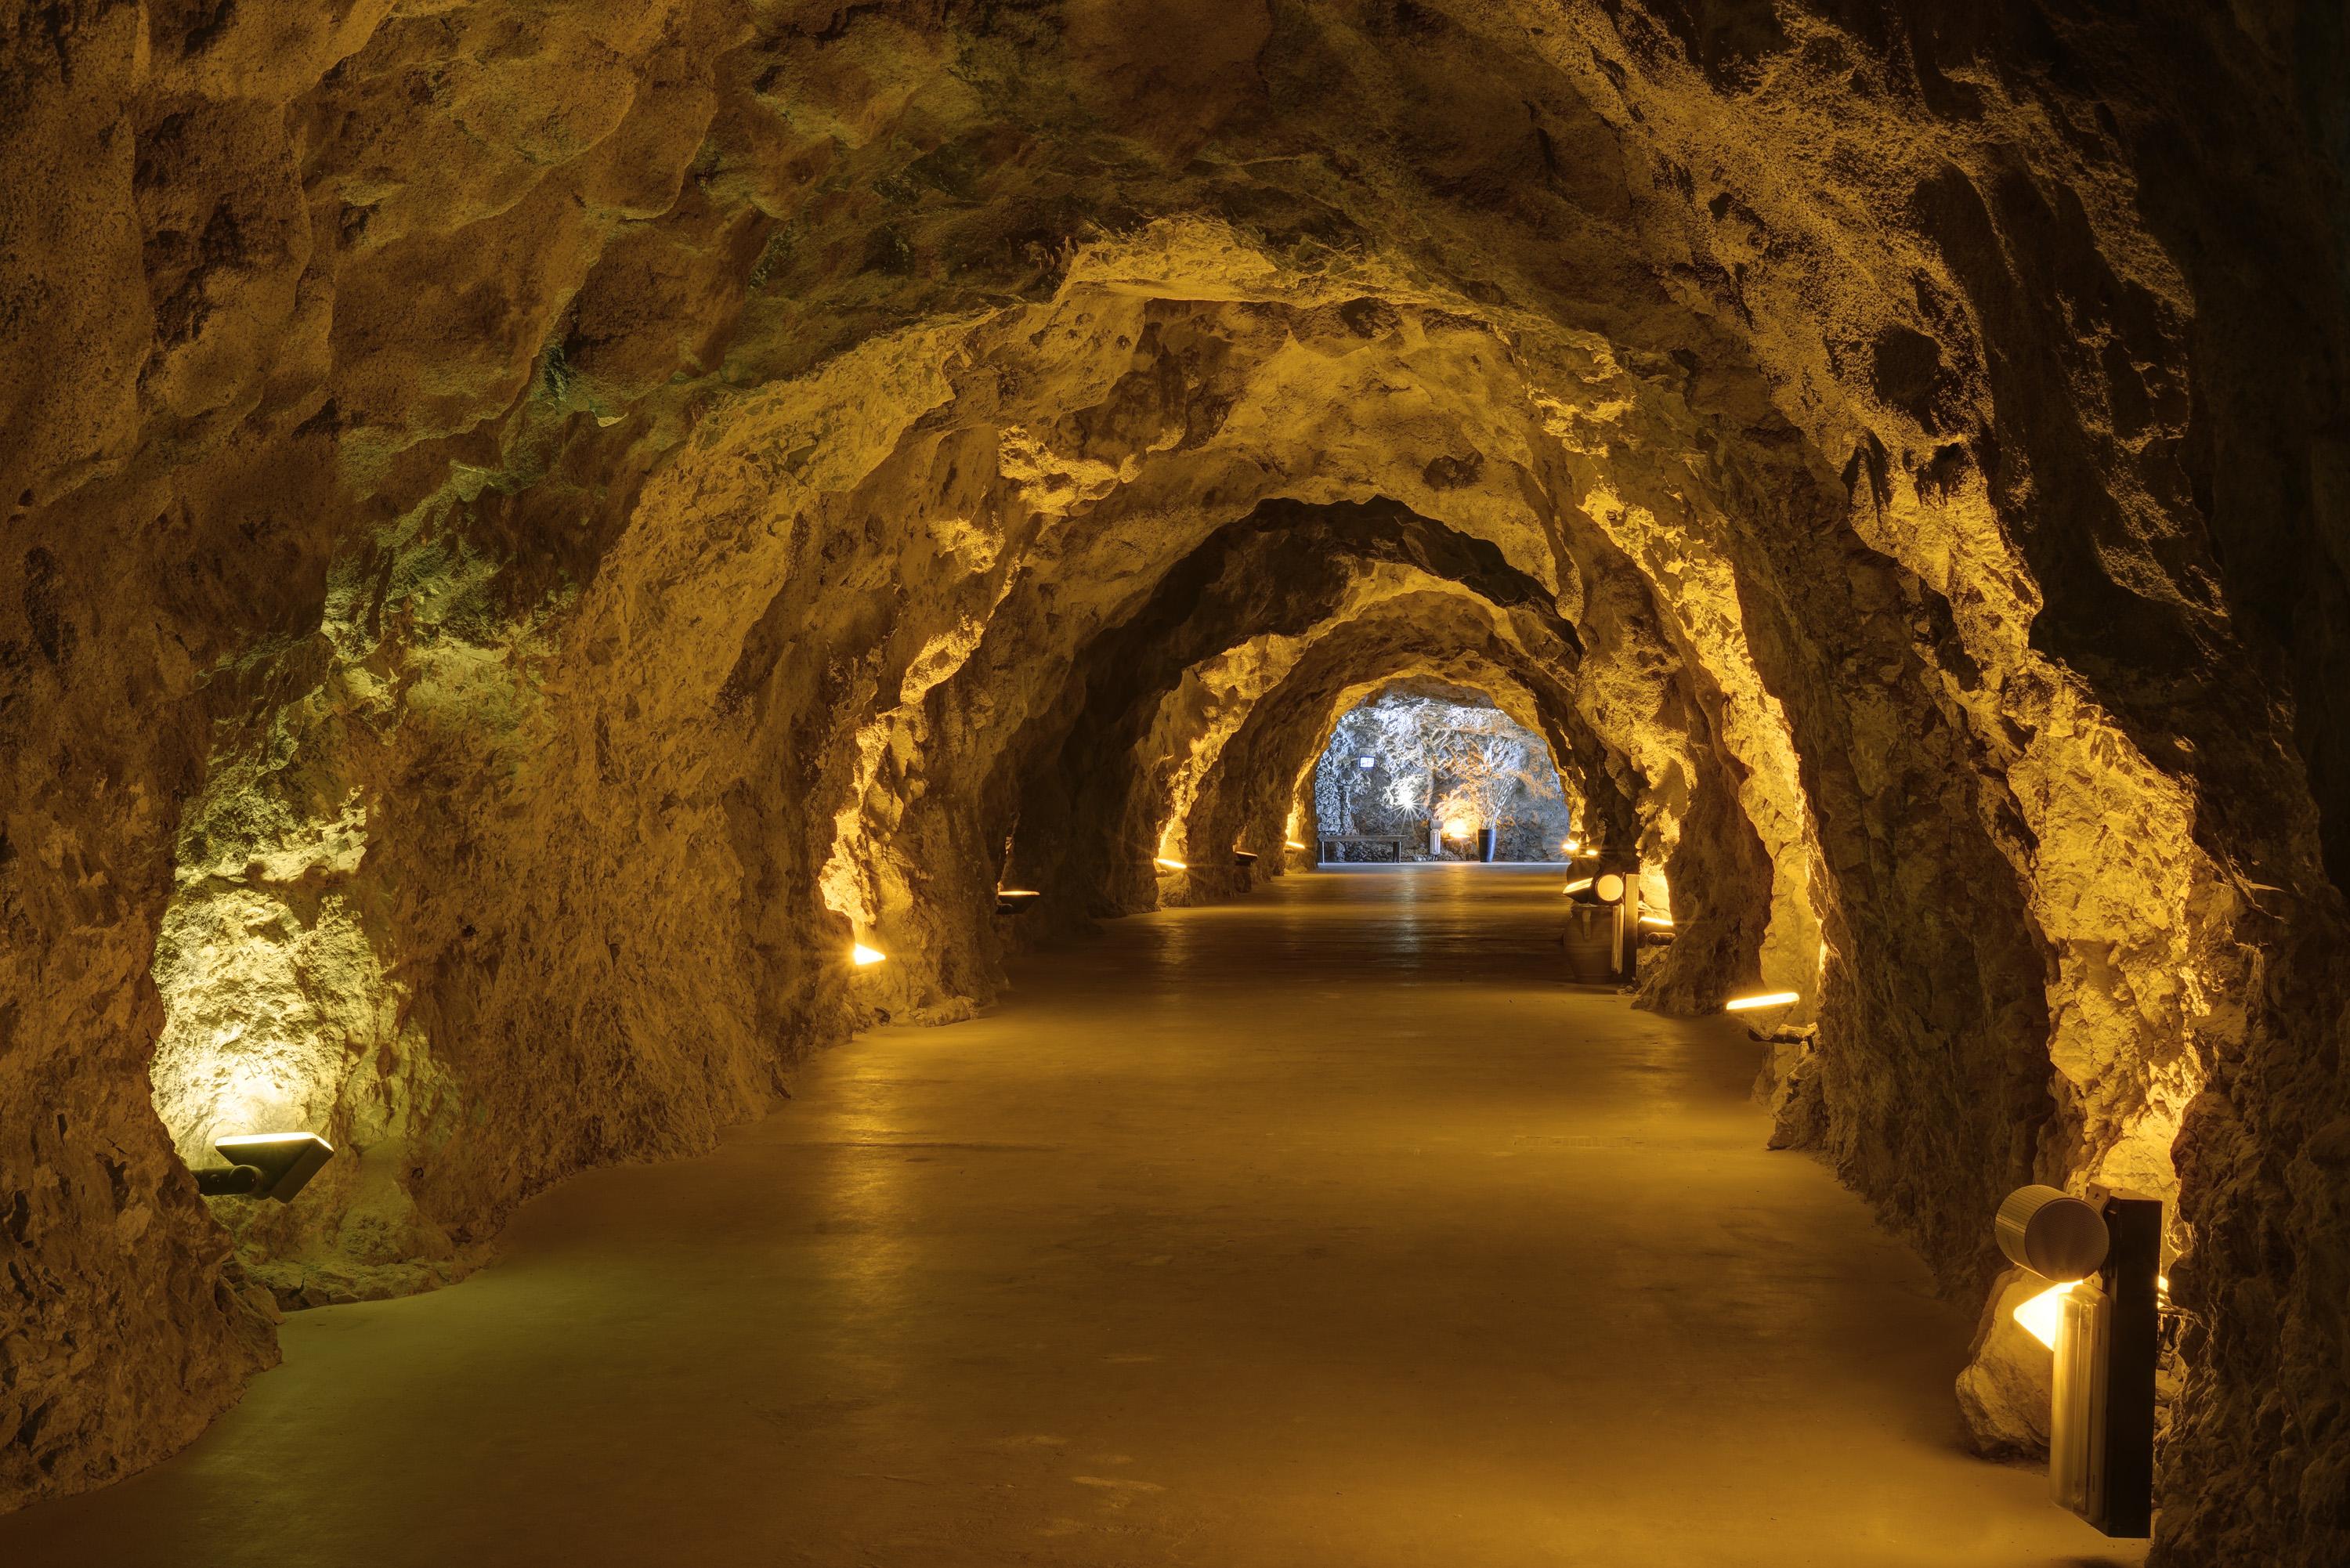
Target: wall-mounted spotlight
(1012, 900)
(1568, 846)
(2053, 1234)
(1753, 1000)
(1243, 856)
(2102, 1316)
(1601, 888)
(265, 1164)
(1165, 865)
(864, 957)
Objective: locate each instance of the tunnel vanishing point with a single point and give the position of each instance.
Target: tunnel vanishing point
(534, 530)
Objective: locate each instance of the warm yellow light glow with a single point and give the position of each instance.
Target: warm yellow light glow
(1576, 886)
(2044, 1315)
(1656, 920)
(1456, 827)
(1568, 846)
(1165, 865)
(1015, 892)
(1293, 843)
(865, 955)
(1760, 999)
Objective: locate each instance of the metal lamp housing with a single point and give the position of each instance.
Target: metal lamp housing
(2055, 1235)
(266, 1165)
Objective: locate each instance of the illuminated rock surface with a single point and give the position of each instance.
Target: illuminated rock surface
(531, 528)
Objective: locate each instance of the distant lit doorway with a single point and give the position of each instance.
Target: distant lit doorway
(1421, 772)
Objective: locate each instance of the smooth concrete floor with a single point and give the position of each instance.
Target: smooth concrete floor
(1332, 1228)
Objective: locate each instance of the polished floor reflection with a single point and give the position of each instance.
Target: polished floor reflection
(1330, 1228)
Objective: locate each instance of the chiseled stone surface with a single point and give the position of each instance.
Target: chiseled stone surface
(530, 527)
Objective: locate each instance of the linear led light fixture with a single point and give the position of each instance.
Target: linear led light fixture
(1760, 999)
(1165, 865)
(1012, 900)
(1663, 922)
(1582, 886)
(1293, 843)
(265, 1164)
(1243, 856)
(865, 957)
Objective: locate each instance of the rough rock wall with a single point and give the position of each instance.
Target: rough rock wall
(533, 526)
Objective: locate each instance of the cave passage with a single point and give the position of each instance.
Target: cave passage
(1328, 1227)
(583, 585)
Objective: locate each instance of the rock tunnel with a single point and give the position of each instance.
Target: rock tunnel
(532, 529)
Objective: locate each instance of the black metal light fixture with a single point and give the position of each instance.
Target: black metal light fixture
(1243, 856)
(1015, 900)
(263, 1165)
(2102, 1314)
(1610, 894)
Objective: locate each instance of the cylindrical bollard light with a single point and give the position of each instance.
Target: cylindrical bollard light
(2056, 1236)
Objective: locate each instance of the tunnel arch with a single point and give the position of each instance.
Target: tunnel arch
(442, 534)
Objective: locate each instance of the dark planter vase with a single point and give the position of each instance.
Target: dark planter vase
(1486, 838)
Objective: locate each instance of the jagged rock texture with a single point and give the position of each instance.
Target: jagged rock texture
(530, 527)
